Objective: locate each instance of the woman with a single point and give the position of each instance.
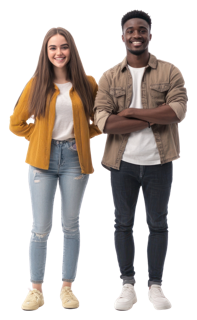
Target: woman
(60, 98)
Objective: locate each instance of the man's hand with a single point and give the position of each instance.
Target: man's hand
(130, 112)
(125, 113)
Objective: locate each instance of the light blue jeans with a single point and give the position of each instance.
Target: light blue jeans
(64, 166)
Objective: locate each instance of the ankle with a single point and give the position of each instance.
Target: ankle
(66, 284)
(37, 286)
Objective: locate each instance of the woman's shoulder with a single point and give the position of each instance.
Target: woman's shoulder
(93, 83)
(92, 80)
(30, 82)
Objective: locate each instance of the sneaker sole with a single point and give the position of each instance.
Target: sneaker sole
(25, 309)
(160, 307)
(31, 309)
(126, 308)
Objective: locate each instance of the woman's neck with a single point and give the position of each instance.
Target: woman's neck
(60, 75)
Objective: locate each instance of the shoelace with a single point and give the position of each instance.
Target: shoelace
(126, 291)
(30, 289)
(157, 291)
(67, 294)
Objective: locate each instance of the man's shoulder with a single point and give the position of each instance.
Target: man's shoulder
(165, 65)
(114, 68)
(167, 68)
(113, 71)
(162, 63)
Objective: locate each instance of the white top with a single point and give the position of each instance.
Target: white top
(63, 128)
(141, 147)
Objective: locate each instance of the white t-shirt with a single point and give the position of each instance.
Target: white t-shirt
(141, 147)
(63, 128)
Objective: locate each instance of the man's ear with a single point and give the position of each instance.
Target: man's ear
(123, 37)
(150, 37)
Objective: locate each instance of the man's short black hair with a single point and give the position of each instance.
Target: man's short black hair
(136, 14)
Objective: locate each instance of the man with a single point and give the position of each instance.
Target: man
(139, 104)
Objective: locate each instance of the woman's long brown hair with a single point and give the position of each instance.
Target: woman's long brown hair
(43, 89)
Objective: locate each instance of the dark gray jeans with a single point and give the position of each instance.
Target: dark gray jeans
(156, 185)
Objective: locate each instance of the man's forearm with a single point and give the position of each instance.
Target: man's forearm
(161, 115)
(122, 125)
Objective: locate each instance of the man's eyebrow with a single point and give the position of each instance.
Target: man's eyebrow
(142, 27)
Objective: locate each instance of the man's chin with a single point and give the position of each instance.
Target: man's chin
(137, 52)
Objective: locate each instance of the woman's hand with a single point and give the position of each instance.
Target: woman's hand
(31, 118)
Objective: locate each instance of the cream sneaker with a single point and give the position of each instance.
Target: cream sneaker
(33, 300)
(68, 299)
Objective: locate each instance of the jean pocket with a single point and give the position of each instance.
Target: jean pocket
(72, 145)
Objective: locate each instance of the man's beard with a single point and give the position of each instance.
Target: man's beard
(137, 53)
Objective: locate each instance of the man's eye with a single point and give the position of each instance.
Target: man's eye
(141, 31)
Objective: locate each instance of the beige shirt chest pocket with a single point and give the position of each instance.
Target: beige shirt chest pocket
(158, 93)
(118, 95)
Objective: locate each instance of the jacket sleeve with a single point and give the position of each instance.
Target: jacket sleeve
(93, 129)
(18, 123)
(176, 97)
(104, 105)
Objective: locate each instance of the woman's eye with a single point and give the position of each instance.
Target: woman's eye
(63, 48)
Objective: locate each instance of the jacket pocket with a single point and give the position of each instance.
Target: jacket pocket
(119, 95)
(158, 92)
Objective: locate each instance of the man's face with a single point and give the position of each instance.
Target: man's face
(136, 35)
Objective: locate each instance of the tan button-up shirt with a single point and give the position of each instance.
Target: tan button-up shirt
(162, 83)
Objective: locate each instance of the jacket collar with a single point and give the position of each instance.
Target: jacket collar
(151, 63)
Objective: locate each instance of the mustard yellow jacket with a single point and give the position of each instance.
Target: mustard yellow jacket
(40, 133)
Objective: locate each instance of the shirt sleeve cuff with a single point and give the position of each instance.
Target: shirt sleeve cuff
(101, 120)
(178, 109)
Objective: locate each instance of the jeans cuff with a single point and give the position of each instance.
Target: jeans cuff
(39, 281)
(150, 283)
(126, 279)
(68, 280)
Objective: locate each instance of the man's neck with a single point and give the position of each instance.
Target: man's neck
(138, 61)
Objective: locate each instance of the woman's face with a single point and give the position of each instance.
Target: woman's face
(58, 51)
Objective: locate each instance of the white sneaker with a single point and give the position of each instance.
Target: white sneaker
(126, 299)
(158, 299)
